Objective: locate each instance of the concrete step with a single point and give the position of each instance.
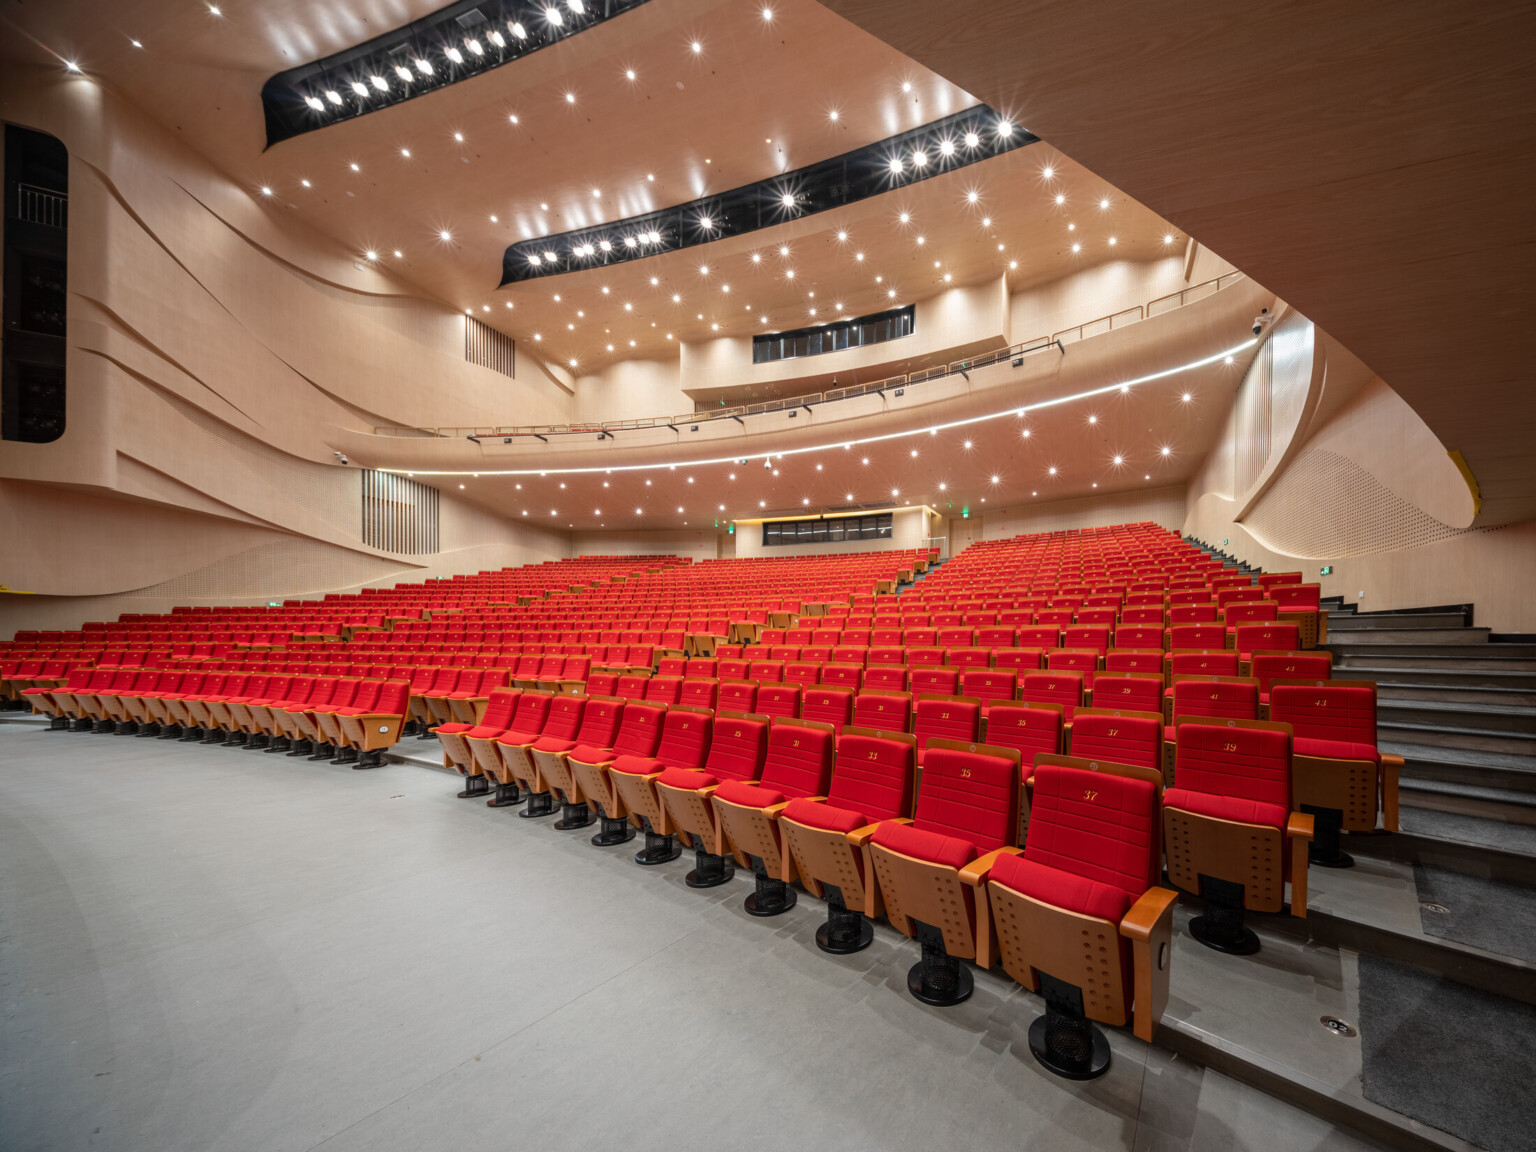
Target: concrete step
(1477, 717)
(1465, 766)
(1472, 739)
(1510, 656)
(1397, 621)
(1387, 671)
(1402, 635)
(1458, 695)
(1507, 797)
(1479, 658)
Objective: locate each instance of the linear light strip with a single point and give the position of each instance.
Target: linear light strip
(843, 444)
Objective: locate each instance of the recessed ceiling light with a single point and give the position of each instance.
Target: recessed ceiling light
(697, 47)
(865, 460)
(1187, 397)
(1071, 227)
(1077, 247)
(891, 293)
(972, 196)
(832, 115)
(135, 43)
(1053, 469)
(266, 191)
(1168, 239)
(570, 97)
(406, 152)
(1119, 459)
(1025, 433)
(971, 139)
(629, 73)
(371, 255)
(1104, 203)
(445, 235)
(1112, 241)
(919, 159)
(459, 137)
(896, 164)
(789, 274)
(1005, 129)
(355, 168)
(1093, 419)
(306, 183)
(904, 217)
(676, 299)
(1167, 451)
(986, 221)
(399, 255)
(946, 147)
(1013, 264)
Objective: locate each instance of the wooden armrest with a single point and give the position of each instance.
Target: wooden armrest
(377, 716)
(1299, 825)
(975, 873)
(1141, 921)
(860, 836)
(1392, 759)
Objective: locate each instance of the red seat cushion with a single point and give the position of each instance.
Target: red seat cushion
(1335, 749)
(452, 729)
(817, 815)
(1226, 807)
(634, 765)
(930, 846)
(748, 795)
(490, 732)
(1062, 889)
(588, 754)
(687, 779)
(553, 744)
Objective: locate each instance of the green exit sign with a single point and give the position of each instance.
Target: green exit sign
(1326, 570)
(965, 512)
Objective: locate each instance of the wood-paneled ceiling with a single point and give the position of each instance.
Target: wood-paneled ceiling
(565, 139)
(1372, 165)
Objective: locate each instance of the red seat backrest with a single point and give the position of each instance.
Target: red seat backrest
(799, 760)
(766, 671)
(641, 731)
(565, 717)
(684, 739)
(829, 705)
(1097, 825)
(600, 722)
(393, 698)
(1214, 698)
(1064, 688)
(699, 693)
(738, 748)
(873, 776)
(664, 689)
(935, 681)
(778, 700)
(499, 707)
(988, 684)
(1271, 637)
(941, 718)
(1247, 763)
(1136, 692)
(737, 696)
(1017, 659)
(1323, 711)
(842, 676)
(1204, 662)
(882, 711)
(1030, 730)
(1124, 739)
(969, 795)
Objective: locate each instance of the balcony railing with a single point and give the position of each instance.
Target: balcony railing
(1058, 340)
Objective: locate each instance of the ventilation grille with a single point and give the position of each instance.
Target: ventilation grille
(399, 515)
(485, 346)
(1327, 506)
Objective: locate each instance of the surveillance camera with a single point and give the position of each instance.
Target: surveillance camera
(1257, 328)
(344, 460)
(767, 462)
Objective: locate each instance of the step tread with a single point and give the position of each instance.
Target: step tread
(1482, 673)
(1462, 757)
(1455, 706)
(1469, 791)
(1451, 730)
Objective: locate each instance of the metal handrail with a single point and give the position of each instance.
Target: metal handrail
(1057, 340)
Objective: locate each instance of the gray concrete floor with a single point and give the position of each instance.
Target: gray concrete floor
(209, 949)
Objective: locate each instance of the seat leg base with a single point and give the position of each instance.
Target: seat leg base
(323, 752)
(539, 804)
(126, 728)
(845, 931)
(772, 897)
(1221, 925)
(81, 724)
(346, 755)
(1064, 1041)
(938, 978)
(59, 724)
(192, 735)
(257, 742)
(370, 759)
(302, 748)
(475, 786)
(658, 849)
(613, 832)
(709, 870)
(278, 744)
(508, 795)
(147, 731)
(171, 732)
(573, 816)
(236, 740)
(1325, 851)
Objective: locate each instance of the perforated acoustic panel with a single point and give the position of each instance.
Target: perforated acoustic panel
(399, 514)
(1326, 505)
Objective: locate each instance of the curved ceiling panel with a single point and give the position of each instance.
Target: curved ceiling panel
(453, 44)
(977, 133)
